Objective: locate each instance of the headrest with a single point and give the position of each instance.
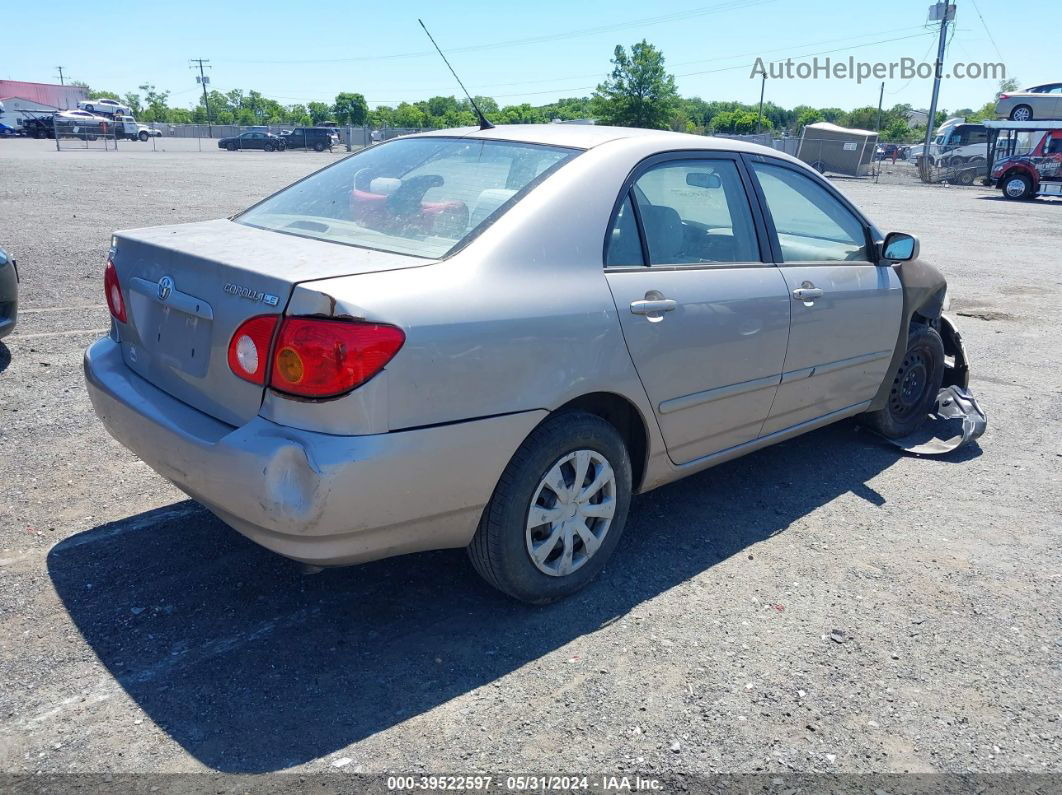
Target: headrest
(663, 232)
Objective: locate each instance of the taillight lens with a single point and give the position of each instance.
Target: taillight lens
(249, 348)
(316, 357)
(1004, 96)
(113, 291)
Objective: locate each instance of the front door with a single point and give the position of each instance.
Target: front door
(846, 308)
(704, 316)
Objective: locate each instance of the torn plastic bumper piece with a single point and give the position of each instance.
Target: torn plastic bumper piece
(956, 421)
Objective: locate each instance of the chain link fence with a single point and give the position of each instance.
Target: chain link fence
(349, 136)
(88, 133)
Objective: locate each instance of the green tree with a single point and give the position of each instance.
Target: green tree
(737, 122)
(351, 108)
(898, 130)
(1009, 84)
(807, 115)
(319, 112)
(639, 92)
(155, 107)
(132, 99)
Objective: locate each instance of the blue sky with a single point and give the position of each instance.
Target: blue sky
(515, 52)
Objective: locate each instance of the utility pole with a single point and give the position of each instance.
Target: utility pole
(205, 81)
(759, 116)
(881, 97)
(61, 81)
(946, 14)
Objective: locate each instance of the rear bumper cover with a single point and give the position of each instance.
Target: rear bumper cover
(318, 498)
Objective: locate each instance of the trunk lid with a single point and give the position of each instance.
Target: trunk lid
(188, 287)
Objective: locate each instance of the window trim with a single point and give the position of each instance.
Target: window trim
(627, 189)
(869, 231)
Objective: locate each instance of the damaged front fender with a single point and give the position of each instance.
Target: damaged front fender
(956, 421)
(956, 365)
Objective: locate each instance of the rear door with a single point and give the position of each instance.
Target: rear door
(846, 309)
(704, 315)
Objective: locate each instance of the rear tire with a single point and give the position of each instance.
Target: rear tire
(501, 550)
(1021, 113)
(318, 147)
(914, 387)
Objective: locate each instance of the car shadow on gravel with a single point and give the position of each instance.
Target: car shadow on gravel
(5, 357)
(253, 666)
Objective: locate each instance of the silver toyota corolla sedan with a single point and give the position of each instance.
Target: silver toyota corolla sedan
(492, 338)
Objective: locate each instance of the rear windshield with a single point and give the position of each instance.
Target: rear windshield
(418, 196)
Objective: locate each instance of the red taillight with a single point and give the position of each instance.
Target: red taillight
(249, 348)
(113, 291)
(1004, 96)
(315, 357)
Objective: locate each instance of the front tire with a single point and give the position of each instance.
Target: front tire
(318, 147)
(1017, 186)
(143, 136)
(557, 512)
(914, 387)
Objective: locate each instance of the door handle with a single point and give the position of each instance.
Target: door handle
(650, 307)
(807, 293)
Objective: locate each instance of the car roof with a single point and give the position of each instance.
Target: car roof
(587, 136)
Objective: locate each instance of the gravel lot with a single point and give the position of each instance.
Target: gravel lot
(825, 605)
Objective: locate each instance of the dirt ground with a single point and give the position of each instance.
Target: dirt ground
(829, 604)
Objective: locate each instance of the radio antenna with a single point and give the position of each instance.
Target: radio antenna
(483, 123)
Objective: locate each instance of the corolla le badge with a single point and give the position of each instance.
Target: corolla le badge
(251, 294)
(165, 287)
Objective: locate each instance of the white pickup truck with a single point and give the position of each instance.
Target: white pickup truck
(128, 127)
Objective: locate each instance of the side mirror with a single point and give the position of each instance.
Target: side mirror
(703, 179)
(899, 247)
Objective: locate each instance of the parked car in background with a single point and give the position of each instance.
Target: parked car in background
(8, 293)
(252, 140)
(492, 339)
(316, 138)
(1038, 102)
(886, 152)
(111, 107)
(1037, 172)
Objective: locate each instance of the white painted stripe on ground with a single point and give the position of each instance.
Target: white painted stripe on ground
(38, 309)
(16, 337)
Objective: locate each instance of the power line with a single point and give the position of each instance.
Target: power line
(730, 5)
(559, 90)
(738, 66)
(539, 81)
(989, 32)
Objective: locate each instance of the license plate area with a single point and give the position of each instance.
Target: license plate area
(175, 334)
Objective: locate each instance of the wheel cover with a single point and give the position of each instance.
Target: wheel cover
(910, 385)
(1022, 114)
(1015, 187)
(571, 512)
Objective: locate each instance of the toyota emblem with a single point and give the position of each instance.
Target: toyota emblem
(165, 287)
